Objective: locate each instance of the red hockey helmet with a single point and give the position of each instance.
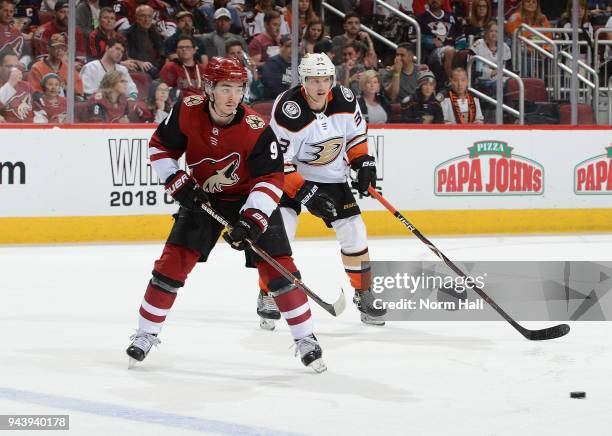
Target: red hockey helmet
(219, 69)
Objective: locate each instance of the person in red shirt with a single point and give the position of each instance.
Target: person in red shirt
(236, 166)
(10, 37)
(266, 44)
(110, 103)
(15, 93)
(59, 24)
(54, 63)
(183, 73)
(50, 107)
(98, 39)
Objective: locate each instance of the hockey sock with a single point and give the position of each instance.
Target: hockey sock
(357, 267)
(293, 305)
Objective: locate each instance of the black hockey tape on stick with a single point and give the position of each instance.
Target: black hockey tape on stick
(334, 309)
(533, 335)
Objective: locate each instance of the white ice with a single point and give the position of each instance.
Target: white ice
(66, 313)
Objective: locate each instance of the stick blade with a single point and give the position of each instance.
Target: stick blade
(547, 333)
(340, 304)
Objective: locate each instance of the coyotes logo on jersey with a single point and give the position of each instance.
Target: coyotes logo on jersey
(217, 174)
(19, 107)
(324, 152)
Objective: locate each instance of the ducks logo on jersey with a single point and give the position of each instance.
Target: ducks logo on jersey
(217, 174)
(323, 153)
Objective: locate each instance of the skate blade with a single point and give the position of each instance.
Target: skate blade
(267, 324)
(132, 363)
(368, 320)
(318, 366)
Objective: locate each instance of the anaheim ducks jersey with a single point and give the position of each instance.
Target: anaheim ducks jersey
(230, 162)
(320, 144)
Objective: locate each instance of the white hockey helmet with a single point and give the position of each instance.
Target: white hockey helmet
(316, 65)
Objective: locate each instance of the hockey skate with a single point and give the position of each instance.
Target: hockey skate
(369, 314)
(310, 353)
(267, 311)
(142, 342)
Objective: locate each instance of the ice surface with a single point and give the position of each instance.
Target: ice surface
(67, 312)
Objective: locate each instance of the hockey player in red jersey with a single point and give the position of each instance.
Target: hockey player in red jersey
(236, 166)
(322, 132)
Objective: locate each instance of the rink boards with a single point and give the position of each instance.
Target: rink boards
(96, 184)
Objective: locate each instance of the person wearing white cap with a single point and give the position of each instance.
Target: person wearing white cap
(214, 42)
(210, 9)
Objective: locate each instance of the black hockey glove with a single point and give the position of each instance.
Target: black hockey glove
(251, 224)
(366, 174)
(186, 191)
(318, 203)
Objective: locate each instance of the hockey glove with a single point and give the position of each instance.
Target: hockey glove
(366, 174)
(318, 203)
(251, 224)
(185, 190)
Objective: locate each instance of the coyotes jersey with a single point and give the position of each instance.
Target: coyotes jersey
(320, 144)
(17, 108)
(230, 162)
(11, 39)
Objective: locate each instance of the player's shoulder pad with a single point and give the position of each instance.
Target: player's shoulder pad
(292, 111)
(193, 100)
(252, 119)
(343, 100)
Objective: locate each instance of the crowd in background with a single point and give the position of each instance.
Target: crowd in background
(135, 58)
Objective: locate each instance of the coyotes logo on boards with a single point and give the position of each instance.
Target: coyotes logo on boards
(594, 175)
(490, 168)
(217, 174)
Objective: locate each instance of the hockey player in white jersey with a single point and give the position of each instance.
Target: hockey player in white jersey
(322, 132)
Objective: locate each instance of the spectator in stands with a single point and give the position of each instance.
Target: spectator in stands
(306, 14)
(461, 107)
(87, 14)
(98, 39)
(54, 63)
(401, 80)
(254, 87)
(201, 24)
(144, 43)
(155, 108)
(352, 32)
(423, 107)
(312, 34)
(50, 106)
(325, 46)
(553, 9)
(530, 14)
(184, 27)
(265, 44)
(487, 48)
(11, 39)
(276, 72)
(349, 71)
(375, 106)
(421, 6)
(93, 72)
(264, 7)
(214, 42)
(110, 103)
(184, 73)
(209, 12)
(510, 8)
(584, 24)
(479, 17)
(15, 93)
(59, 24)
(439, 30)
(335, 23)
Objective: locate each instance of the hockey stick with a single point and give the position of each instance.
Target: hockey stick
(335, 309)
(533, 335)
